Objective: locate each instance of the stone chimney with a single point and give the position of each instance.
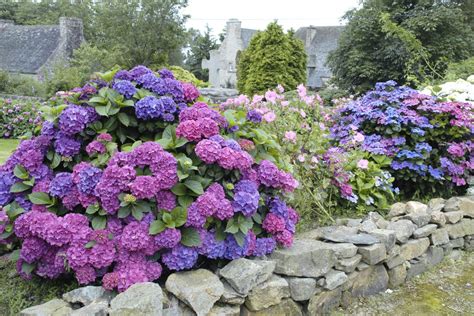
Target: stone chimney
(4, 23)
(233, 28)
(71, 35)
(310, 34)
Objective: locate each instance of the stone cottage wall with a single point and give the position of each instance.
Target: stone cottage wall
(325, 268)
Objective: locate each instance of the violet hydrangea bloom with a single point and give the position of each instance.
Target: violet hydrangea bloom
(61, 184)
(246, 197)
(180, 258)
(125, 88)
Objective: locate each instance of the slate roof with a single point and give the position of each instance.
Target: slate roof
(246, 35)
(328, 35)
(25, 48)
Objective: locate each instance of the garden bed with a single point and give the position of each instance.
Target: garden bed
(325, 268)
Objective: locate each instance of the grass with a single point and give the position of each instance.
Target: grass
(6, 148)
(17, 294)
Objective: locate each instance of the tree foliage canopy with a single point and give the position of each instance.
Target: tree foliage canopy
(200, 46)
(408, 41)
(273, 57)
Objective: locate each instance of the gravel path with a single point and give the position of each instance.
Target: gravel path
(447, 289)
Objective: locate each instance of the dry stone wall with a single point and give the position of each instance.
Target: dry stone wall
(325, 268)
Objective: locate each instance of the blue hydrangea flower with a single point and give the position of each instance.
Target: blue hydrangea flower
(180, 258)
(88, 179)
(61, 184)
(125, 88)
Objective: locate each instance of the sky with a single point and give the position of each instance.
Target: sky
(256, 14)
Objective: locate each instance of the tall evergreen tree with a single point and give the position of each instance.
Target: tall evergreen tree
(200, 46)
(273, 57)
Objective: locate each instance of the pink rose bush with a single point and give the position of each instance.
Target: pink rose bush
(132, 176)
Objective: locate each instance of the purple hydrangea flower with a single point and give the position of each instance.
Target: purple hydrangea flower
(125, 88)
(61, 184)
(180, 258)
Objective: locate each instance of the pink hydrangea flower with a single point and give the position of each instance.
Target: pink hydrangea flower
(363, 164)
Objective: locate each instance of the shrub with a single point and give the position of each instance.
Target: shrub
(23, 85)
(429, 141)
(459, 90)
(18, 117)
(462, 69)
(186, 76)
(127, 175)
(272, 58)
(330, 179)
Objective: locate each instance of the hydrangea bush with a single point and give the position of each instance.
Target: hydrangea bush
(19, 117)
(132, 175)
(429, 142)
(331, 178)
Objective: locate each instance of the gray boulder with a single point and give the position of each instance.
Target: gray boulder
(385, 236)
(285, 307)
(99, 308)
(373, 254)
(436, 205)
(199, 289)
(306, 258)
(323, 303)
(86, 295)
(139, 299)
(414, 248)
(425, 231)
(439, 237)
(370, 281)
(230, 296)
(333, 279)
(348, 265)
(243, 274)
(302, 289)
(267, 294)
(54, 307)
(403, 229)
(342, 234)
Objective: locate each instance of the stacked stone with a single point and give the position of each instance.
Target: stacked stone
(325, 268)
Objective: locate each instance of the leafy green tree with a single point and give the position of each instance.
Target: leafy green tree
(148, 31)
(272, 58)
(200, 46)
(460, 70)
(410, 41)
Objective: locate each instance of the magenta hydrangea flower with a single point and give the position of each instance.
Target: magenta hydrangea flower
(144, 187)
(273, 223)
(95, 147)
(165, 200)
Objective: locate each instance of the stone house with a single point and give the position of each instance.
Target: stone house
(318, 41)
(33, 49)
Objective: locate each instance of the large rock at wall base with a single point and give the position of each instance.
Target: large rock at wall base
(323, 303)
(302, 289)
(373, 254)
(224, 310)
(99, 308)
(393, 262)
(139, 299)
(306, 258)
(243, 274)
(199, 289)
(397, 276)
(439, 237)
(370, 281)
(348, 265)
(385, 236)
(457, 243)
(88, 294)
(434, 255)
(414, 248)
(285, 307)
(172, 306)
(54, 307)
(267, 294)
(469, 243)
(230, 296)
(403, 229)
(342, 234)
(463, 228)
(417, 268)
(333, 279)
